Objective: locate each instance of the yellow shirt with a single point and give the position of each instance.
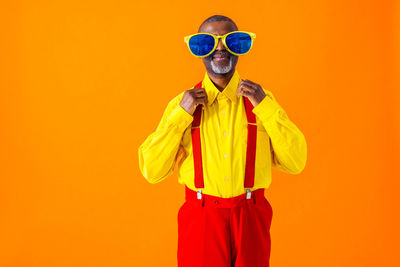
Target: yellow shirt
(223, 134)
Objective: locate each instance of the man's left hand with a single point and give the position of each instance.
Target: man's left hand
(252, 91)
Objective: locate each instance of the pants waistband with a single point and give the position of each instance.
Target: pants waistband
(191, 195)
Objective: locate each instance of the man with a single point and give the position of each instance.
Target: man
(224, 135)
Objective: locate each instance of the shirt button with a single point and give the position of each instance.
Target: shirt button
(225, 155)
(226, 178)
(223, 112)
(216, 202)
(225, 133)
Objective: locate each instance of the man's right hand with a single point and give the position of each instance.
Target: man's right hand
(193, 97)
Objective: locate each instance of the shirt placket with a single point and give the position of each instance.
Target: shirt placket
(225, 136)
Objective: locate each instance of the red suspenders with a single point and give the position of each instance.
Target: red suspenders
(196, 146)
(251, 145)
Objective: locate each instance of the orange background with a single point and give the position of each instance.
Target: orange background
(83, 84)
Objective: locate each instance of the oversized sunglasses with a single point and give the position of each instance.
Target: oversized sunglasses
(204, 44)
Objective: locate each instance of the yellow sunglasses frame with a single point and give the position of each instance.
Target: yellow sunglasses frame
(222, 37)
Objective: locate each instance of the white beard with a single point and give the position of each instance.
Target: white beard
(222, 70)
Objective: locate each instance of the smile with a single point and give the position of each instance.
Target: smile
(220, 57)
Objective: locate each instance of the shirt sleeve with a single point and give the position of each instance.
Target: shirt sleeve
(288, 144)
(158, 153)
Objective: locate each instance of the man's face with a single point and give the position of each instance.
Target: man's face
(220, 62)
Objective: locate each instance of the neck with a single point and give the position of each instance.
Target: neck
(221, 80)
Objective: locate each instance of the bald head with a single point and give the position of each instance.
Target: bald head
(218, 18)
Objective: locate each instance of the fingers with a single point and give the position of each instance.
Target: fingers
(200, 93)
(201, 100)
(250, 84)
(199, 96)
(245, 93)
(245, 89)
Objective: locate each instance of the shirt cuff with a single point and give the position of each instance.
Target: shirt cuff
(266, 108)
(180, 118)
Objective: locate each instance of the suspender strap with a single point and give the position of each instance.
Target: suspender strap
(196, 146)
(251, 144)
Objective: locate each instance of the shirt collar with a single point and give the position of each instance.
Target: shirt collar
(230, 91)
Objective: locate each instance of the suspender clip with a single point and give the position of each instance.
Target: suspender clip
(199, 194)
(248, 195)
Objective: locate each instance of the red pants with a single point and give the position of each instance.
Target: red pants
(224, 232)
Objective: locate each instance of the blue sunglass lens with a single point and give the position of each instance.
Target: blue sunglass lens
(239, 42)
(201, 44)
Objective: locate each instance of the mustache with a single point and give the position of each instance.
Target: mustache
(226, 53)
